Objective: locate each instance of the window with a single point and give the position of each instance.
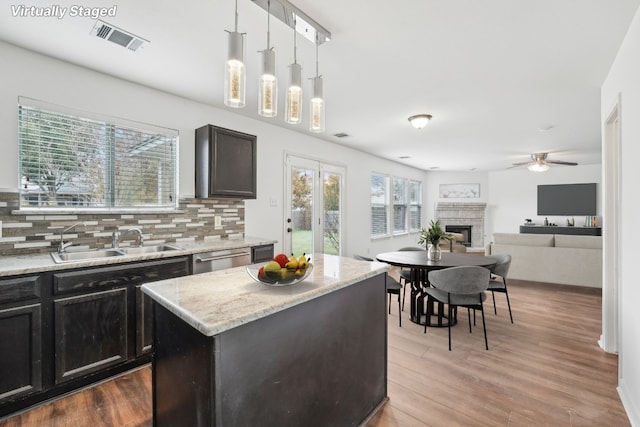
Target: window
(68, 160)
(404, 214)
(399, 205)
(379, 204)
(415, 205)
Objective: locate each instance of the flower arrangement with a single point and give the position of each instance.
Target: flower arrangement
(434, 234)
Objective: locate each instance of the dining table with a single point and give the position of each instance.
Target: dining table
(420, 265)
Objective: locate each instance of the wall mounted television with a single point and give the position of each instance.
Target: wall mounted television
(567, 199)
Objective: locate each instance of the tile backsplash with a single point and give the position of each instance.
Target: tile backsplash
(24, 233)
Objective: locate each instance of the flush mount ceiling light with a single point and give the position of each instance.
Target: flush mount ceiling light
(420, 120)
(235, 74)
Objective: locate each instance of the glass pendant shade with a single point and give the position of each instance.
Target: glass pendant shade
(293, 107)
(235, 74)
(268, 86)
(316, 123)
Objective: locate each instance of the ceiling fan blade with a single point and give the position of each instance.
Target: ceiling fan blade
(560, 162)
(522, 163)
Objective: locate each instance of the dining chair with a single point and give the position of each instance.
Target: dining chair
(405, 274)
(392, 285)
(459, 287)
(498, 282)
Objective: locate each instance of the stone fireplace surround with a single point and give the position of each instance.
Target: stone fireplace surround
(457, 213)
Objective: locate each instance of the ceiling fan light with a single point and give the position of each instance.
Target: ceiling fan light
(538, 167)
(420, 120)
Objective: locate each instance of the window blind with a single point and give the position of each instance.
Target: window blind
(67, 160)
(379, 205)
(399, 205)
(415, 205)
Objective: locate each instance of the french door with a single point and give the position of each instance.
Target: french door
(314, 206)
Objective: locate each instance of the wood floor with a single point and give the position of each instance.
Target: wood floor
(546, 369)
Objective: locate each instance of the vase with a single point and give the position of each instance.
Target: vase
(434, 253)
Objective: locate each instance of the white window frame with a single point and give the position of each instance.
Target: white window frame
(400, 201)
(417, 202)
(167, 186)
(389, 206)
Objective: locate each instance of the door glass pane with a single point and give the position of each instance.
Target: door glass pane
(331, 212)
(301, 210)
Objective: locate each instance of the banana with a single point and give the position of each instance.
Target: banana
(293, 263)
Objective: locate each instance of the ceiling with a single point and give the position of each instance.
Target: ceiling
(502, 78)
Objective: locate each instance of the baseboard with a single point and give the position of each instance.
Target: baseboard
(630, 404)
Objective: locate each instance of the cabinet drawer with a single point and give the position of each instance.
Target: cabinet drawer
(119, 275)
(19, 288)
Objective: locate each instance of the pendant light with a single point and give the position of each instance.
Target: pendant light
(235, 74)
(316, 123)
(293, 104)
(268, 85)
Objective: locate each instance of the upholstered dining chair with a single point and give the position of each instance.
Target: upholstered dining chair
(392, 285)
(405, 274)
(498, 282)
(459, 287)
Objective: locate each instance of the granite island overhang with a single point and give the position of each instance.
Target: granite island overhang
(231, 351)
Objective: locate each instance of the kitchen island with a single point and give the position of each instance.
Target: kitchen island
(233, 352)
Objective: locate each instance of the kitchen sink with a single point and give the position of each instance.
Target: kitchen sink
(134, 250)
(61, 257)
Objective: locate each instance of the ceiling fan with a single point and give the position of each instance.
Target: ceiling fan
(539, 163)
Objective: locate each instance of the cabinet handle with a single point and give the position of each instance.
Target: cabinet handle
(215, 258)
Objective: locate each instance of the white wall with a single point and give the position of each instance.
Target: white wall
(513, 195)
(623, 79)
(33, 75)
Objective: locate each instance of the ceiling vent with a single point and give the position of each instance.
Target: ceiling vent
(120, 37)
(341, 135)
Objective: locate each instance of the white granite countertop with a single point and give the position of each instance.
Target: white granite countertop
(221, 300)
(38, 263)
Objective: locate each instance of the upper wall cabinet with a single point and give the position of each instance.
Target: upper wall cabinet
(225, 163)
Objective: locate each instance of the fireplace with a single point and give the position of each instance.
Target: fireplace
(465, 230)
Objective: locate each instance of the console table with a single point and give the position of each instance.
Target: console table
(576, 231)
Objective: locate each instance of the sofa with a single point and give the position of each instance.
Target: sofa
(551, 258)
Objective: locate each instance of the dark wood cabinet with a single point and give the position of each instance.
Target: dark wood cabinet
(66, 329)
(90, 333)
(261, 253)
(225, 163)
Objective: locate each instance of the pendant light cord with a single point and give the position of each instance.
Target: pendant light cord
(317, 54)
(295, 45)
(268, 24)
(236, 30)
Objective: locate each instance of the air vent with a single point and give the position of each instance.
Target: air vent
(341, 135)
(120, 37)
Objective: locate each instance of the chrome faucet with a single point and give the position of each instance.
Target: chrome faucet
(117, 235)
(62, 247)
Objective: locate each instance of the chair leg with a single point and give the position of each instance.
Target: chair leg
(469, 317)
(426, 320)
(389, 304)
(506, 292)
(449, 325)
(493, 295)
(399, 310)
(484, 327)
(404, 293)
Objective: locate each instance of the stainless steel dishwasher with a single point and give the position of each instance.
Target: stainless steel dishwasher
(219, 260)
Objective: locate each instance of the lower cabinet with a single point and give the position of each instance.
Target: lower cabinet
(20, 337)
(90, 333)
(20, 351)
(66, 329)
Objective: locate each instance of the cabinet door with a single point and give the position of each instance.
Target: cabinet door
(225, 163)
(20, 351)
(90, 333)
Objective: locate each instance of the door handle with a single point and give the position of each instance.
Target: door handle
(289, 230)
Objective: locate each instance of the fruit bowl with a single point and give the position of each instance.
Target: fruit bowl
(284, 279)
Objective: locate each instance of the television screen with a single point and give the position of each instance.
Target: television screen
(567, 199)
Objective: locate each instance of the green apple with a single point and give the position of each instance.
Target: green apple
(272, 270)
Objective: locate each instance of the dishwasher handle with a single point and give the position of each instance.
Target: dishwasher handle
(219, 257)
